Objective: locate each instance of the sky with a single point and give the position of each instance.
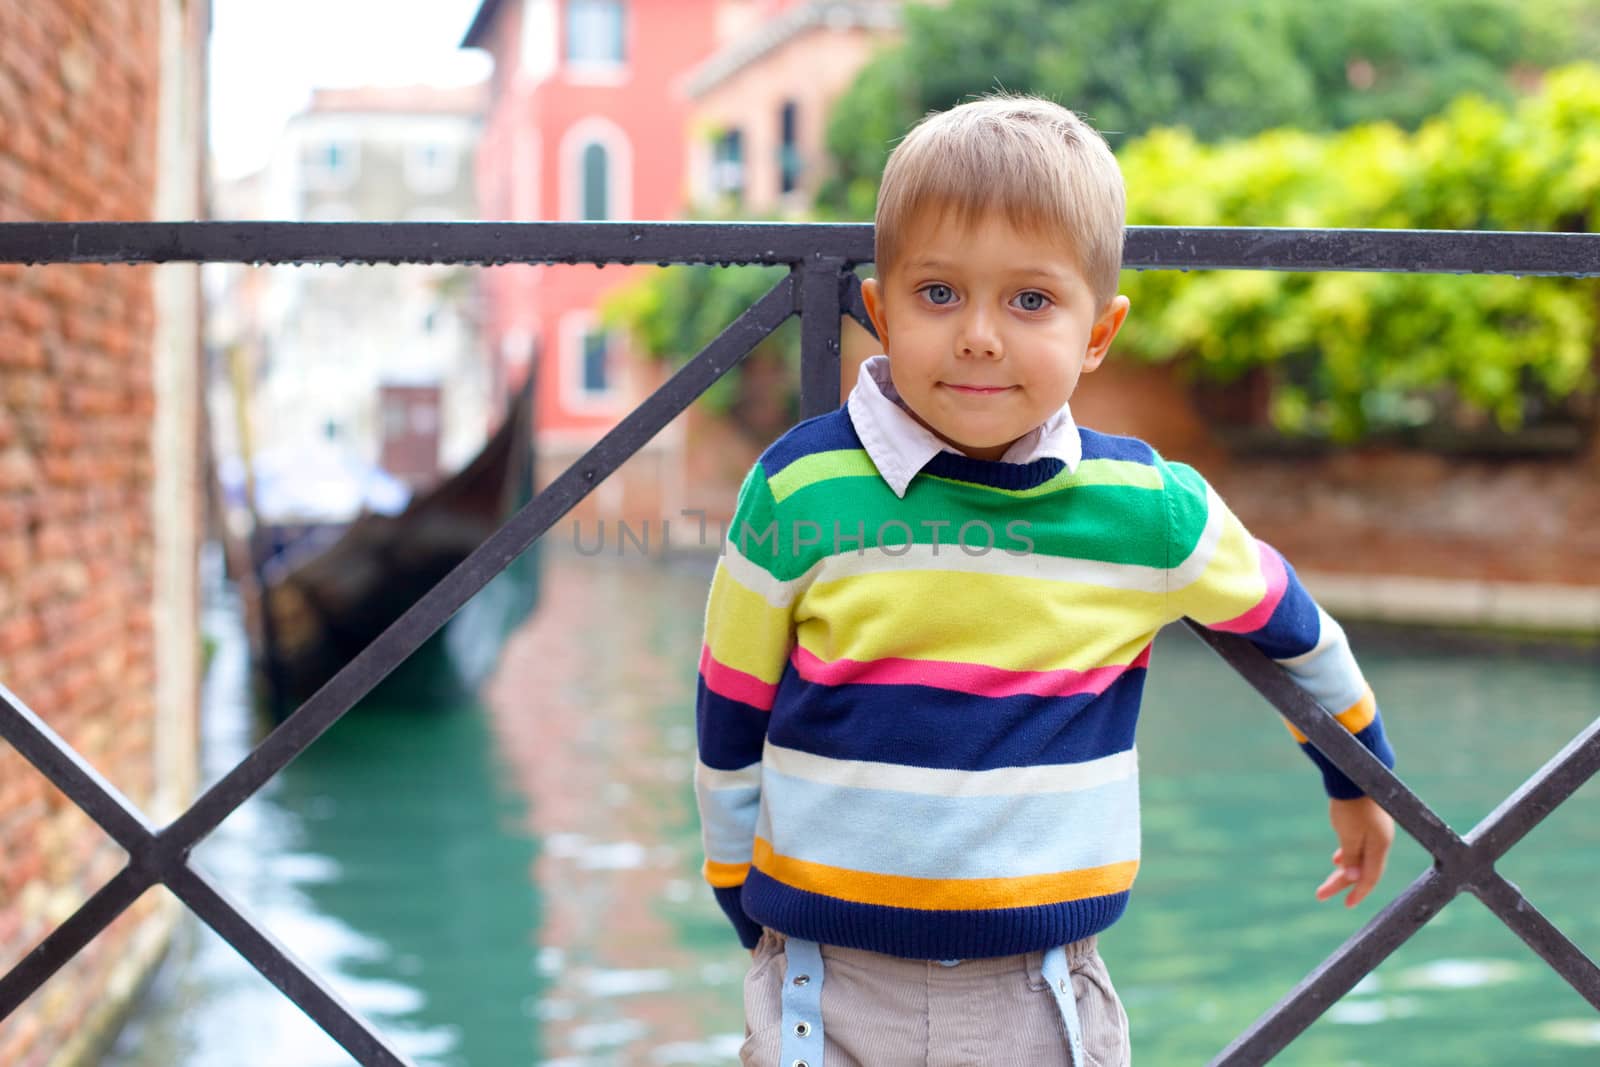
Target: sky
(267, 55)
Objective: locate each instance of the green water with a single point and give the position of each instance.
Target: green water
(517, 883)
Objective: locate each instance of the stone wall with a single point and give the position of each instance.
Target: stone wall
(99, 120)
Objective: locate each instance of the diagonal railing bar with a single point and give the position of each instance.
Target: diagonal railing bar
(1460, 864)
(1540, 934)
(821, 307)
(1564, 774)
(1338, 974)
(854, 305)
(72, 774)
(72, 936)
(1146, 247)
(1337, 743)
(430, 612)
(280, 967)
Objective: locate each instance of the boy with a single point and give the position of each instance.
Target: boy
(927, 637)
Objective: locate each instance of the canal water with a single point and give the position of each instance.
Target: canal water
(516, 881)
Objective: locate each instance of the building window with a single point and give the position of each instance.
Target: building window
(788, 149)
(596, 182)
(595, 33)
(431, 167)
(596, 370)
(727, 170)
(330, 164)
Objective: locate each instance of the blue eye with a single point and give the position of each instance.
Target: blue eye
(939, 294)
(1032, 300)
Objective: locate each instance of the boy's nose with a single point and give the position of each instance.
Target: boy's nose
(978, 339)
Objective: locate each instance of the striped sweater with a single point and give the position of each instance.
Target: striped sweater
(916, 715)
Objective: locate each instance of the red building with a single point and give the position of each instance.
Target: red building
(588, 119)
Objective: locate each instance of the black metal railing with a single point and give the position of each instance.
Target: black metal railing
(821, 287)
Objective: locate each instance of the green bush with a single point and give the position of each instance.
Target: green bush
(1350, 353)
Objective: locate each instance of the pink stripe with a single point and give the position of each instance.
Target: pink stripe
(1277, 577)
(734, 684)
(974, 678)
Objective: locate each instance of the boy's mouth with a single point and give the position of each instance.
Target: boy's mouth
(978, 390)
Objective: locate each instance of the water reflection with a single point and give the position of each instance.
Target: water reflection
(398, 855)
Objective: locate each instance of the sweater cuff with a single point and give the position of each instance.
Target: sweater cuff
(1334, 781)
(748, 929)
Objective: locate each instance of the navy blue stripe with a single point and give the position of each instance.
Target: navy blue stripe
(822, 433)
(731, 732)
(748, 929)
(1098, 445)
(921, 726)
(1294, 628)
(926, 935)
(1334, 781)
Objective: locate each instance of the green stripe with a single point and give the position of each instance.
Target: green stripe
(820, 466)
(1108, 523)
(1186, 494)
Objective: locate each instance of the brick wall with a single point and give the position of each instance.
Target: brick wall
(80, 531)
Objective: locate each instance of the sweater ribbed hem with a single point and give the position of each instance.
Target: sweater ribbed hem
(926, 935)
(995, 473)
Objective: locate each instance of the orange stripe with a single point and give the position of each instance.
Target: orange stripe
(942, 894)
(1355, 718)
(725, 875)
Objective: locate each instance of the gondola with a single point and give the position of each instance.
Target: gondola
(316, 609)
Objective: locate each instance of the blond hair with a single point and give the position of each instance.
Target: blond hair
(1041, 165)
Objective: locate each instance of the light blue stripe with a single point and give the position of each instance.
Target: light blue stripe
(919, 836)
(727, 821)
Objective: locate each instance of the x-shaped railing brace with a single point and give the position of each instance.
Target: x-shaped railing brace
(1459, 863)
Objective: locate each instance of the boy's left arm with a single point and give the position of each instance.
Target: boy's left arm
(1231, 582)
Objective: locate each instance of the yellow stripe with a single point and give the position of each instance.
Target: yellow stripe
(940, 894)
(746, 632)
(1089, 472)
(1232, 582)
(725, 875)
(1355, 718)
(1027, 624)
(820, 466)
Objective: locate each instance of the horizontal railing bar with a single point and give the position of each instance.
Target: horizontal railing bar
(1338, 974)
(407, 633)
(70, 938)
(487, 243)
(1337, 743)
(280, 967)
(72, 774)
(1564, 774)
(1541, 935)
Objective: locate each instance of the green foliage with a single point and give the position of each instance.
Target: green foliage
(1351, 353)
(1226, 68)
(675, 311)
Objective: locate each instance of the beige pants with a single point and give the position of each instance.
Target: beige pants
(883, 1011)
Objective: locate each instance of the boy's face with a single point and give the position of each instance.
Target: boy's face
(987, 329)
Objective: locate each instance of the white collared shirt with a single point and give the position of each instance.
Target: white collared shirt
(900, 446)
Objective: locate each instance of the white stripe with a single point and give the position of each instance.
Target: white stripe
(943, 782)
(1329, 671)
(1189, 571)
(757, 579)
(709, 778)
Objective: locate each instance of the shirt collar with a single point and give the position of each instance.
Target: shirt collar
(900, 446)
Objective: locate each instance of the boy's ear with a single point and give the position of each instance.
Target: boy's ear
(1103, 332)
(872, 296)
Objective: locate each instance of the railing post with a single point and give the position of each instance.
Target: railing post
(821, 305)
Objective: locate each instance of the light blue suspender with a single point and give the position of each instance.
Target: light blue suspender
(802, 1004)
